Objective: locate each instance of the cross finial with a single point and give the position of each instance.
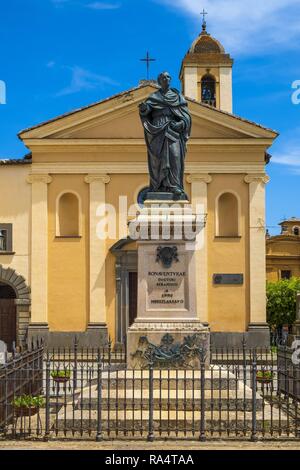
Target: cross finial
(148, 60)
(204, 13)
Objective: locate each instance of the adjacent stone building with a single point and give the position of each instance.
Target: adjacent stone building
(283, 251)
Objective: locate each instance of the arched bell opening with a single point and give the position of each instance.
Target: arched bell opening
(208, 90)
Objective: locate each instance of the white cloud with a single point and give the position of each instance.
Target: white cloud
(291, 158)
(59, 2)
(247, 26)
(50, 64)
(88, 4)
(84, 80)
(103, 6)
(289, 153)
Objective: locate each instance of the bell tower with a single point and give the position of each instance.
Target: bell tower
(206, 72)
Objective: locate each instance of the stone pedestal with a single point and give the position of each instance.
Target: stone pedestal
(167, 331)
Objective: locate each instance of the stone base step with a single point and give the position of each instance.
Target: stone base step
(173, 415)
(168, 380)
(116, 391)
(217, 372)
(184, 421)
(166, 404)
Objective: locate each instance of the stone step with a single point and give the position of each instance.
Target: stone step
(170, 420)
(180, 374)
(168, 379)
(233, 404)
(238, 399)
(180, 394)
(172, 384)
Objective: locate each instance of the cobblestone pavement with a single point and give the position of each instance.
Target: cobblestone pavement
(159, 445)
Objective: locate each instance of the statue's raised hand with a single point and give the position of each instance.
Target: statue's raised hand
(143, 107)
(177, 126)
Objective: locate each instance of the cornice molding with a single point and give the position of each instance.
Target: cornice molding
(103, 178)
(69, 142)
(39, 178)
(141, 167)
(204, 177)
(257, 178)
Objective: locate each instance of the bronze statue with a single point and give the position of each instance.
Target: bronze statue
(167, 124)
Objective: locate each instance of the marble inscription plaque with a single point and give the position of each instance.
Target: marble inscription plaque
(166, 287)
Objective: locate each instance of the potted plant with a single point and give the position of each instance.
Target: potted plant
(264, 376)
(27, 405)
(61, 376)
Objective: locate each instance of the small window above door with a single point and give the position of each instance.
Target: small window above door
(5, 238)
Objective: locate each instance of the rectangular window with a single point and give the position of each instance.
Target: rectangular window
(285, 274)
(5, 238)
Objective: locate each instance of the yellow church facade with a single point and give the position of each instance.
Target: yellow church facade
(62, 278)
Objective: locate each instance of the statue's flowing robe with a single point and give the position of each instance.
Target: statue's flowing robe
(166, 147)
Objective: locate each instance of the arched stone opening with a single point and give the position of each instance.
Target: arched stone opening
(15, 307)
(126, 286)
(208, 90)
(68, 215)
(227, 216)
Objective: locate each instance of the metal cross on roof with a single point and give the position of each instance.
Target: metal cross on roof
(148, 59)
(204, 13)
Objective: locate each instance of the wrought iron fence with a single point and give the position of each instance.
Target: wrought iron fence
(89, 394)
(21, 376)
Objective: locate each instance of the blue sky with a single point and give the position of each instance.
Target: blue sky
(57, 55)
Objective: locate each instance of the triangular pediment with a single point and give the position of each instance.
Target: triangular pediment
(118, 118)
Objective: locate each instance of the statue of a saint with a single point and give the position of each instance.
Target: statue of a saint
(167, 124)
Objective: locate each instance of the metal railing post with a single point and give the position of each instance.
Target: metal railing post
(150, 437)
(202, 436)
(99, 435)
(47, 415)
(109, 351)
(254, 407)
(75, 363)
(244, 361)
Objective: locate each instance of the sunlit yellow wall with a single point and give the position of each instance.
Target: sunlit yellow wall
(127, 186)
(283, 254)
(228, 305)
(15, 208)
(68, 265)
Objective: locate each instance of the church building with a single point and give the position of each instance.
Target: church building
(59, 278)
(283, 251)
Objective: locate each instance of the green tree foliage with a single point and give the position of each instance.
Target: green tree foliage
(281, 301)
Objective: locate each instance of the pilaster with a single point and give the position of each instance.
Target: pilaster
(257, 250)
(39, 249)
(199, 183)
(97, 318)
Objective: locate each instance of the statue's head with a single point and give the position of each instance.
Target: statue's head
(164, 80)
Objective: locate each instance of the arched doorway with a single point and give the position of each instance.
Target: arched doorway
(8, 315)
(14, 307)
(126, 286)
